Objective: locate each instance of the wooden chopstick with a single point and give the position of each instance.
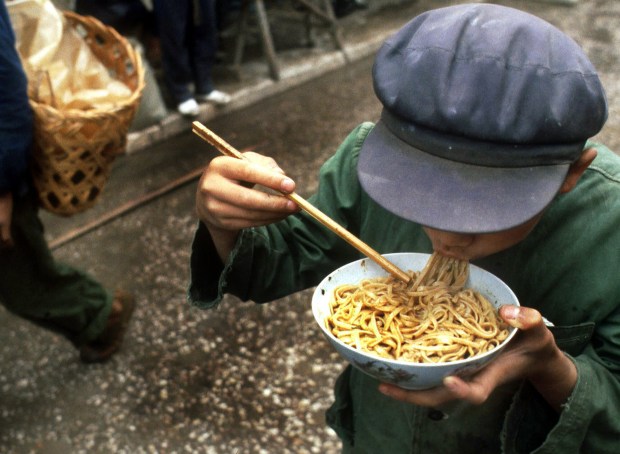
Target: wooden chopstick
(225, 148)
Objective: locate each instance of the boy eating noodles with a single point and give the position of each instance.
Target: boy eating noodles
(482, 153)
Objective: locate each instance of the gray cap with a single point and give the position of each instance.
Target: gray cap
(484, 109)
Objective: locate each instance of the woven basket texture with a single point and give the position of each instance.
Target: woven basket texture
(74, 149)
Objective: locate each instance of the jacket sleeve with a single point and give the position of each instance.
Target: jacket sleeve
(270, 262)
(589, 421)
(16, 122)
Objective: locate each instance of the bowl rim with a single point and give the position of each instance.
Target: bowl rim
(403, 363)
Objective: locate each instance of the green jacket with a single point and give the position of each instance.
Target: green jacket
(567, 268)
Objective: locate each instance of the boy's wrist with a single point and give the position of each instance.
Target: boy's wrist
(223, 240)
(556, 380)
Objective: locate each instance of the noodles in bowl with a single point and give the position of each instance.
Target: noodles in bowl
(413, 335)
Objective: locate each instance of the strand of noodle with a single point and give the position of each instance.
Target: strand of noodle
(475, 327)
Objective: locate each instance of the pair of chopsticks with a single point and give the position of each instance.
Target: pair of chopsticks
(223, 147)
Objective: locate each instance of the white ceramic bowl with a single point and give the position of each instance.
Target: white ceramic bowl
(406, 374)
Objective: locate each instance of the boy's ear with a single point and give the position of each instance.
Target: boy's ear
(577, 168)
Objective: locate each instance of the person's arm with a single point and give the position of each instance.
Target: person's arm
(258, 246)
(589, 419)
(227, 200)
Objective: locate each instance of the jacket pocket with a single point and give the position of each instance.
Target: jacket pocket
(573, 339)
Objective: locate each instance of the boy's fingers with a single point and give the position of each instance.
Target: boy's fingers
(270, 178)
(521, 317)
(265, 173)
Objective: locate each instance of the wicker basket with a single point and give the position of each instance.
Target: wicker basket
(74, 148)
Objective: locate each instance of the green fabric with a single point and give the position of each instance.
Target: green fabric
(36, 287)
(566, 268)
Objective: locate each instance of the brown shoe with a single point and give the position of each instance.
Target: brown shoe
(110, 340)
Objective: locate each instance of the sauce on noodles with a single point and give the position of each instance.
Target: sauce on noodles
(432, 320)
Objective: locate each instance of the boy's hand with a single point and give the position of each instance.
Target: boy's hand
(227, 200)
(532, 355)
(6, 216)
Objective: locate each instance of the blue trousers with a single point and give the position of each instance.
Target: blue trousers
(188, 35)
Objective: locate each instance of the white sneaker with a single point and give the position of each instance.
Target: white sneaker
(216, 97)
(189, 108)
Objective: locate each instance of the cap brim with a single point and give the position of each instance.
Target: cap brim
(449, 195)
